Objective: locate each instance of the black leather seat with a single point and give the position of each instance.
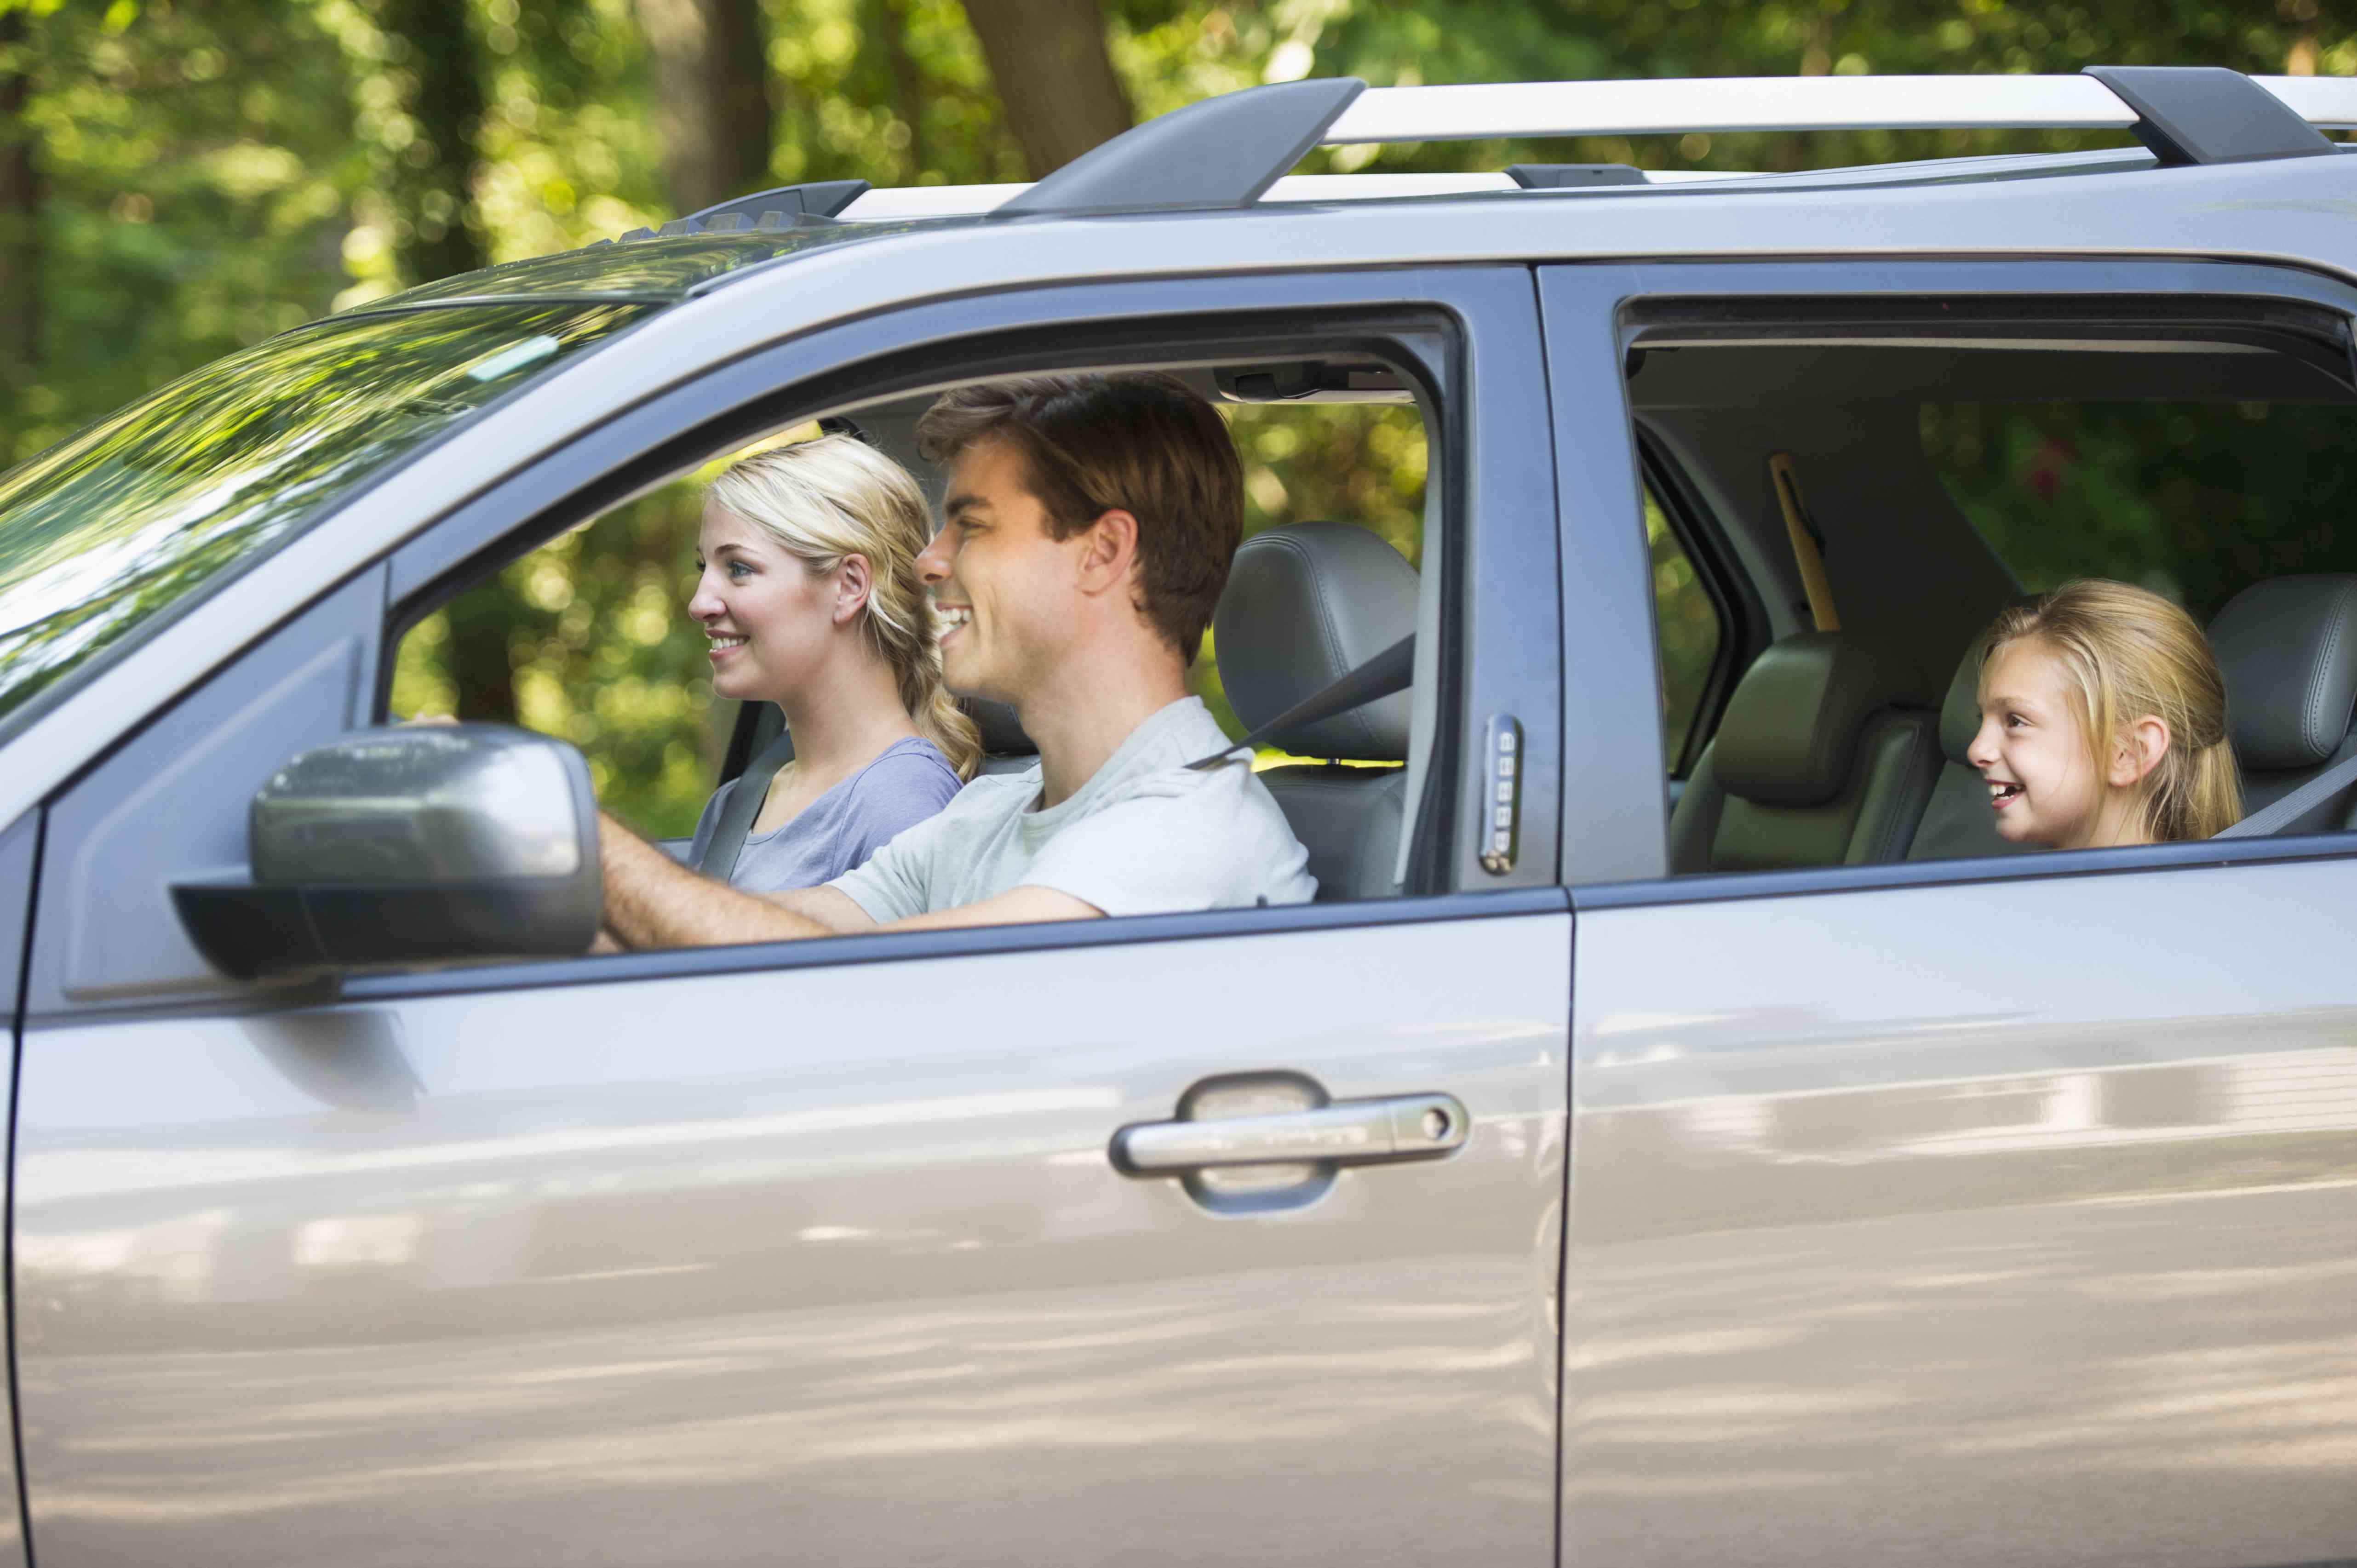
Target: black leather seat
(1822, 759)
(2288, 646)
(1958, 823)
(1305, 605)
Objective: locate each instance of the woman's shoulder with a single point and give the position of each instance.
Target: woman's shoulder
(908, 770)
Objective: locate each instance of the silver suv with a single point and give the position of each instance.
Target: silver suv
(1680, 1134)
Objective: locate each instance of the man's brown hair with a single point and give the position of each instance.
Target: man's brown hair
(1139, 442)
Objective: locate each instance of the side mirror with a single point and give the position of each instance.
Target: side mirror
(427, 845)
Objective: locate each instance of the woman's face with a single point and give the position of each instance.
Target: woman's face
(771, 619)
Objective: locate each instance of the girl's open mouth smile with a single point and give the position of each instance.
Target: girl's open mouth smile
(2003, 794)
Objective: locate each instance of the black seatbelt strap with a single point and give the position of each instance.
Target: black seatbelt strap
(1392, 669)
(745, 803)
(2300, 802)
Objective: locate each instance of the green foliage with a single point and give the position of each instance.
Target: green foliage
(2193, 500)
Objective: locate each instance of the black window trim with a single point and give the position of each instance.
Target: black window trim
(2189, 284)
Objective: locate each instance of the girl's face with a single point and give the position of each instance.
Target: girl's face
(2044, 784)
(771, 619)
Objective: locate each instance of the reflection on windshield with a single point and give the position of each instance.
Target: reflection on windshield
(104, 532)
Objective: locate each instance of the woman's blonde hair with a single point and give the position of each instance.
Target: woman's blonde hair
(2127, 653)
(824, 499)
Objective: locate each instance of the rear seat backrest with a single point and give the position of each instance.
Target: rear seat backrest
(1820, 760)
(2288, 646)
(1959, 823)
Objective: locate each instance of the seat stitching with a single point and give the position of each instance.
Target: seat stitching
(2312, 713)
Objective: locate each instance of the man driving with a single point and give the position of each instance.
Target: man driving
(1087, 529)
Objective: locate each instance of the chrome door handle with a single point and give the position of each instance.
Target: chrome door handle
(1347, 1132)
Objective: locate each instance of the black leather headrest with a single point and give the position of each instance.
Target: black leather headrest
(1792, 727)
(1305, 605)
(2288, 646)
(1002, 733)
(1960, 713)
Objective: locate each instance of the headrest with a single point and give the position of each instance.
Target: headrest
(1960, 713)
(1305, 605)
(2288, 646)
(1002, 733)
(1792, 726)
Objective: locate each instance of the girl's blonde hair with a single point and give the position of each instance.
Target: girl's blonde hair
(824, 499)
(2127, 653)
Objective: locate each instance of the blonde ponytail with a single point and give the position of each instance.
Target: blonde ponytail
(824, 499)
(2129, 653)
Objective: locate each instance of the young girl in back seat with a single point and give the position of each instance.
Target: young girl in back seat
(2103, 722)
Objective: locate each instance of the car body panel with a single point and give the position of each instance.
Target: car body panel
(2292, 212)
(700, 1270)
(2004, 1221)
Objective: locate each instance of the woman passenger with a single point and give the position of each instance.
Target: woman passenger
(810, 594)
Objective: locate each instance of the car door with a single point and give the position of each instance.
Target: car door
(820, 1251)
(1993, 1211)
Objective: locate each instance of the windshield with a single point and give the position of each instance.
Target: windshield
(105, 534)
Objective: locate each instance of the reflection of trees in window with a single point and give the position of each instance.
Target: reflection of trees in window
(2193, 500)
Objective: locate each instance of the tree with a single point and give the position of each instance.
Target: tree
(712, 104)
(20, 211)
(1056, 80)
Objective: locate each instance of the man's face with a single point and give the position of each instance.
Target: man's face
(1007, 592)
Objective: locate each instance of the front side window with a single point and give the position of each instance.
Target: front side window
(101, 536)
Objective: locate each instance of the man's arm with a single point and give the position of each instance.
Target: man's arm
(652, 901)
(1016, 906)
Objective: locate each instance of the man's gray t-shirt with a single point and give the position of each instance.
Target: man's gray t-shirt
(906, 782)
(1145, 835)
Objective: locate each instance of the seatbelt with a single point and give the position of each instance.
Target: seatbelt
(745, 803)
(1808, 543)
(2273, 819)
(1392, 669)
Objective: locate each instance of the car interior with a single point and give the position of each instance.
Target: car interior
(1927, 471)
(1334, 453)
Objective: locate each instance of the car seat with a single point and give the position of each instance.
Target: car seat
(1824, 759)
(1306, 604)
(1958, 823)
(1004, 747)
(2288, 646)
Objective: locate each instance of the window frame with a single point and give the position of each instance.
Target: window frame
(1497, 582)
(1611, 294)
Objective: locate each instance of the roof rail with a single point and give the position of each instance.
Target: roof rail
(763, 209)
(1227, 151)
(1223, 152)
(2203, 114)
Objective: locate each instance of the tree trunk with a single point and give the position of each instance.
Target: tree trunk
(1054, 77)
(20, 229)
(432, 182)
(712, 107)
(891, 21)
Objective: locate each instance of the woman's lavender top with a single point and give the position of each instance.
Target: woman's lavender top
(908, 781)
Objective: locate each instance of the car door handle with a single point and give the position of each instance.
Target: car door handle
(1347, 1132)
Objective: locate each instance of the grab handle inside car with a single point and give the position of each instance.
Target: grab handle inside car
(403, 846)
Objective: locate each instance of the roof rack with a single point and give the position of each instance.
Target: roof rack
(776, 208)
(1228, 151)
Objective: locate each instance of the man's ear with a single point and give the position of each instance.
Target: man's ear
(1108, 551)
(853, 581)
(2142, 746)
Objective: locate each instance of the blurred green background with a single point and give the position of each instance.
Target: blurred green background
(179, 178)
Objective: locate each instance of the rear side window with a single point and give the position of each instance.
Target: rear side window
(2193, 500)
(1689, 628)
